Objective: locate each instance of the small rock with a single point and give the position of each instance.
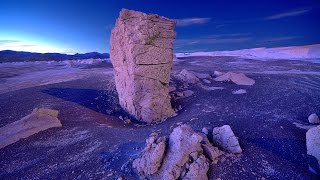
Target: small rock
(188, 93)
(313, 119)
(239, 91)
(179, 94)
(237, 78)
(206, 81)
(313, 142)
(218, 73)
(224, 138)
(205, 131)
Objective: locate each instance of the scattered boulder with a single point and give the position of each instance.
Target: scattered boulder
(237, 78)
(142, 56)
(188, 76)
(39, 120)
(152, 156)
(313, 119)
(224, 138)
(313, 142)
(182, 159)
(239, 91)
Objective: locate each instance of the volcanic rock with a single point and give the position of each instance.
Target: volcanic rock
(237, 78)
(313, 119)
(39, 120)
(224, 138)
(313, 142)
(142, 56)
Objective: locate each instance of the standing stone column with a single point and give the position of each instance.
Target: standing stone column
(142, 56)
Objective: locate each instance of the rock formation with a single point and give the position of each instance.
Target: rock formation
(142, 56)
(39, 120)
(237, 78)
(313, 142)
(183, 158)
(185, 155)
(224, 137)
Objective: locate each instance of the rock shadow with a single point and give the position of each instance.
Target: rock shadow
(101, 101)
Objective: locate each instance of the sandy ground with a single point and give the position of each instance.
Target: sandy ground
(95, 143)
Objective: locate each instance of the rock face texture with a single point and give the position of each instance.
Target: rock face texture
(313, 142)
(181, 157)
(39, 120)
(142, 56)
(152, 156)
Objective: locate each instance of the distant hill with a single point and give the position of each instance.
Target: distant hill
(20, 56)
(291, 52)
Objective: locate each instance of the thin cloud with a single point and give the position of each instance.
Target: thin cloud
(188, 42)
(288, 14)
(192, 21)
(277, 39)
(6, 41)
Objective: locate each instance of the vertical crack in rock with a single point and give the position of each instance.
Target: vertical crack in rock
(142, 56)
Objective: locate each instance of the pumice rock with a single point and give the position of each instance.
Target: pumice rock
(142, 56)
(224, 138)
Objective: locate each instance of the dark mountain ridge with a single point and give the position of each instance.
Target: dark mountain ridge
(20, 56)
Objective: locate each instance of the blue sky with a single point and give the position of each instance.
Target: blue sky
(72, 26)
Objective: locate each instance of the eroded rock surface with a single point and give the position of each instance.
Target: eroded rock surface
(39, 120)
(237, 78)
(224, 138)
(152, 156)
(313, 142)
(182, 159)
(142, 56)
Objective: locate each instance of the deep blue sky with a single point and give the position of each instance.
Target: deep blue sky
(83, 26)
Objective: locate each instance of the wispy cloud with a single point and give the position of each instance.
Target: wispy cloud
(192, 21)
(277, 39)
(288, 14)
(214, 39)
(17, 45)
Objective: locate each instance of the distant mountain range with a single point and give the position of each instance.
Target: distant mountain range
(20, 56)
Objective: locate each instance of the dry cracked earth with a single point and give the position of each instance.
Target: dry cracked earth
(98, 141)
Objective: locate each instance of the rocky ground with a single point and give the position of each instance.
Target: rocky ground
(98, 141)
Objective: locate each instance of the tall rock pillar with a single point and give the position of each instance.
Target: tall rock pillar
(142, 56)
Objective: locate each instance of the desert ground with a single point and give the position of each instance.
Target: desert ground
(97, 141)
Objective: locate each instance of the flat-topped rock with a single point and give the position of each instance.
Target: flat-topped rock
(142, 56)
